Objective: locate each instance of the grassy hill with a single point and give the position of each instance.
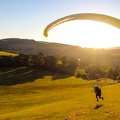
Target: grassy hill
(28, 46)
(32, 94)
(7, 53)
(33, 47)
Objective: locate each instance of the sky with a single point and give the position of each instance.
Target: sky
(28, 19)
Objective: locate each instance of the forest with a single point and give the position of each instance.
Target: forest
(92, 64)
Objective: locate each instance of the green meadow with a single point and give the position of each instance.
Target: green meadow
(32, 94)
(7, 53)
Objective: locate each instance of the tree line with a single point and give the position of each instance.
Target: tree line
(88, 67)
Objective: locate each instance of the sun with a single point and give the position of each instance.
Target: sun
(86, 33)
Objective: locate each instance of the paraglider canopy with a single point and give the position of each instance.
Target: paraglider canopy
(84, 16)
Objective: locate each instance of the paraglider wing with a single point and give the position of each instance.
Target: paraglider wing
(84, 16)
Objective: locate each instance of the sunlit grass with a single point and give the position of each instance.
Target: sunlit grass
(7, 53)
(56, 99)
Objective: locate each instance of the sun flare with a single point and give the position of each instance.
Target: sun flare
(86, 33)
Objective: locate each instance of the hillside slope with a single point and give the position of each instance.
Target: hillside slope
(29, 46)
(32, 46)
(39, 97)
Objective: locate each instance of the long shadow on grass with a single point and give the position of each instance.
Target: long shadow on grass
(22, 75)
(98, 106)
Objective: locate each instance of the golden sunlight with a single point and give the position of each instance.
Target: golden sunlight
(86, 33)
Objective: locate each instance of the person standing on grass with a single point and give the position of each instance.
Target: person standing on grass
(98, 92)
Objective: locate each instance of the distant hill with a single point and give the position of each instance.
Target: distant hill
(111, 48)
(29, 46)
